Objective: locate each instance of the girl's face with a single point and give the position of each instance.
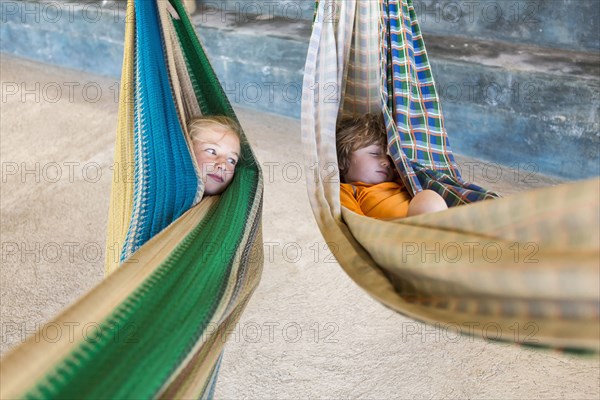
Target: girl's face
(217, 151)
(369, 165)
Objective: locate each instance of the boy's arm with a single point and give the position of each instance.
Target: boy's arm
(348, 200)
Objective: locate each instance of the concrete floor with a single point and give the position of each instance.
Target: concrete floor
(308, 332)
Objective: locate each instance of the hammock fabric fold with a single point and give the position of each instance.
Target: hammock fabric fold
(156, 326)
(522, 269)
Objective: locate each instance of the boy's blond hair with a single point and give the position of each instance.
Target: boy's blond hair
(353, 133)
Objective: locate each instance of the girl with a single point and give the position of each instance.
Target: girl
(216, 147)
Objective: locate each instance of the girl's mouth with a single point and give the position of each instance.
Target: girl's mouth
(216, 178)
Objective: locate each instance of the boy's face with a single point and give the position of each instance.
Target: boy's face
(217, 151)
(369, 165)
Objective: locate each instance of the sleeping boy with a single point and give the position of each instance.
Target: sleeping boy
(370, 185)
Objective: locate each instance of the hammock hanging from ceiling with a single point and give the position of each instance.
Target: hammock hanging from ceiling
(156, 326)
(522, 269)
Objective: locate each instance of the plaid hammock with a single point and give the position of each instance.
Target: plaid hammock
(156, 326)
(417, 139)
(522, 269)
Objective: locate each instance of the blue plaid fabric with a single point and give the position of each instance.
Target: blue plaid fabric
(417, 139)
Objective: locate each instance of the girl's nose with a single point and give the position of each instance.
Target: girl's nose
(222, 164)
(385, 162)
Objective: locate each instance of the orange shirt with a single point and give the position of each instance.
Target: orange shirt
(384, 200)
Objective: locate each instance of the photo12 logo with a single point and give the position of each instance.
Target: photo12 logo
(53, 92)
(454, 332)
(60, 12)
(71, 332)
(481, 11)
(272, 332)
(247, 11)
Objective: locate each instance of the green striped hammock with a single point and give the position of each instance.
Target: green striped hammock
(521, 269)
(155, 327)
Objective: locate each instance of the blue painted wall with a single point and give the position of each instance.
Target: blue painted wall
(565, 24)
(79, 35)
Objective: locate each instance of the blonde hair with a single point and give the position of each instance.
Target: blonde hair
(353, 133)
(198, 124)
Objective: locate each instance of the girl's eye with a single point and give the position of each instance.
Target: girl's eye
(211, 151)
(232, 161)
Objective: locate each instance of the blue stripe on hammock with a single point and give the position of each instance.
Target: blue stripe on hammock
(168, 182)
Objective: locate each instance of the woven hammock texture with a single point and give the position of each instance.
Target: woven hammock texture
(523, 269)
(156, 326)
